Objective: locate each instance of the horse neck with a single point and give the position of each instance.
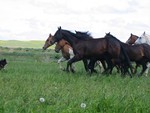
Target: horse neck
(71, 39)
(148, 39)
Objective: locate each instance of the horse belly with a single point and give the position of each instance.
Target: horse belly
(95, 52)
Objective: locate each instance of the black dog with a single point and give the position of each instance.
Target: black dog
(2, 63)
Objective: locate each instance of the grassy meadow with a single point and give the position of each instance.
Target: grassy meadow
(32, 73)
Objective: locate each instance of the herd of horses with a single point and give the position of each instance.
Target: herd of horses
(107, 51)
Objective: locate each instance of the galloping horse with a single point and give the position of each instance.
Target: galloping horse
(138, 53)
(86, 36)
(144, 38)
(132, 39)
(107, 48)
(66, 50)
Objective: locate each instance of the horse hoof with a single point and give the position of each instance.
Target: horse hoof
(63, 69)
(73, 71)
(94, 71)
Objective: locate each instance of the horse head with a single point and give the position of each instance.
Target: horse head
(48, 42)
(60, 45)
(144, 38)
(132, 39)
(57, 36)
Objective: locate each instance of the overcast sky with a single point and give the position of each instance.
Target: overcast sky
(35, 19)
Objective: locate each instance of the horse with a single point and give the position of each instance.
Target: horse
(138, 53)
(67, 52)
(132, 39)
(93, 48)
(144, 38)
(80, 34)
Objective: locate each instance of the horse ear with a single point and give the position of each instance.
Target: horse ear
(59, 28)
(131, 33)
(108, 33)
(50, 35)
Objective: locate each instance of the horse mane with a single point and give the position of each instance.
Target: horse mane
(80, 35)
(108, 35)
(134, 35)
(84, 34)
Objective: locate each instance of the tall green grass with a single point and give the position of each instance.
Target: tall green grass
(32, 74)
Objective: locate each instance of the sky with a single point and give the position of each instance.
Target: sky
(36, 19)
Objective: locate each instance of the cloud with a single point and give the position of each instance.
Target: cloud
(35, 19)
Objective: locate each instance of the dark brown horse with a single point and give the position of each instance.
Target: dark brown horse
(139, 53)
(86, 36)
(132, 39)
(108, 48)
(67, 53)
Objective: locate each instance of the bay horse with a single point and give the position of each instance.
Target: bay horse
(86, 35)
(144, 38)
(132, 39)
(67, 52)
(138, 53)
(107, 48)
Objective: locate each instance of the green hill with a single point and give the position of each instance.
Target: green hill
(22, 44)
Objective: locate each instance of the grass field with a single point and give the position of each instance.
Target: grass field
(22, 44)
(31, 74)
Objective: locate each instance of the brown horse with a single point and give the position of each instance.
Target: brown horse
(139, 53)
(48, 42)
(102, 48)
(132, 39)
(66, 50)
(67, 53)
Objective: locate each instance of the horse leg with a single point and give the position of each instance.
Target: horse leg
(110, 66)
(72, 60)
(91, 65)
(71, 56)
(85, 62)
(103, 64)
(136, 67)
(144, 67)
(118, 68)
(99, 64)
(146, 72)
(59, 62)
